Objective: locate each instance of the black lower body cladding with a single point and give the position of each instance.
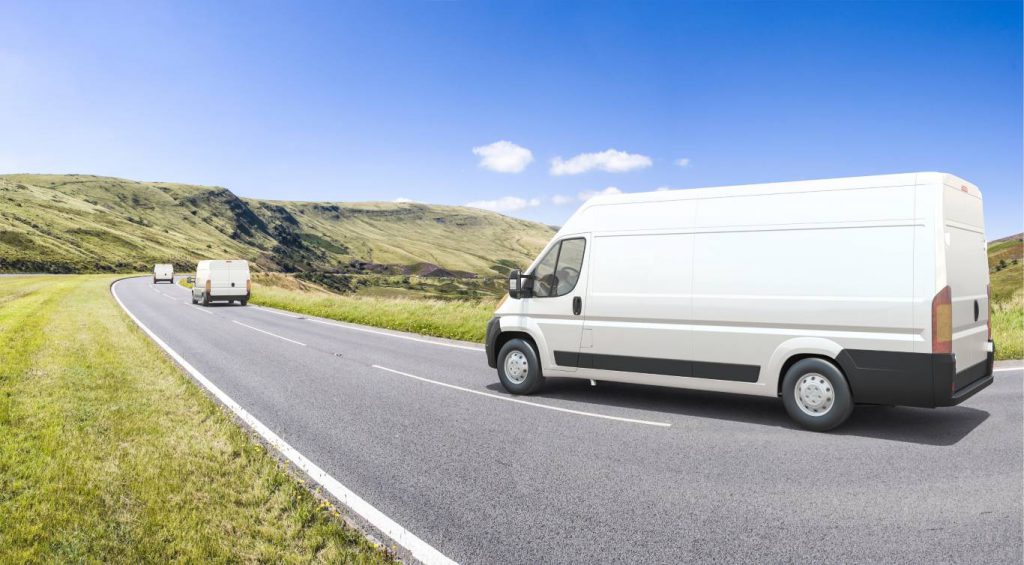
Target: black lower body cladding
(912, 379)
(493, 329)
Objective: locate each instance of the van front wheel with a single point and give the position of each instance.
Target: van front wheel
(519, 367)
(816, 395)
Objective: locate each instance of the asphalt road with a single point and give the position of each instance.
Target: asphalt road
(616, 473)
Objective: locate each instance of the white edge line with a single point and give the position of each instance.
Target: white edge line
(418, 548)
(354, 327)
(268, 333)
(1008, 369)
(516, 400)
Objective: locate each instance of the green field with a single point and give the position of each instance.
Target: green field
(83, 223)
(1006, 275)
(110, 454)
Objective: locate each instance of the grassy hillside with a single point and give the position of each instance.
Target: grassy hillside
(110, 454)
(1006, 266)
(81, 223)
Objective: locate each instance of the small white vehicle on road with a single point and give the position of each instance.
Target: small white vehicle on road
(222, 281)
(825, 293)
(163, 272)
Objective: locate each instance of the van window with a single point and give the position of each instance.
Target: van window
(559, 270)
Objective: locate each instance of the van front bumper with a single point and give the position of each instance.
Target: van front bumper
(928, 380)
(493, 329)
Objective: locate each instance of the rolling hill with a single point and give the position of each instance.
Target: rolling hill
(1006, 266)
(82, 223)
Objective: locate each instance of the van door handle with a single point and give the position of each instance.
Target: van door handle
(577, 305)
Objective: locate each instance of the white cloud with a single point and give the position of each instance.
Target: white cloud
(612, 161)
(592, 193)
(559, 200)
(503, 157)
(683, 162)
(505, 204)
(403, 200)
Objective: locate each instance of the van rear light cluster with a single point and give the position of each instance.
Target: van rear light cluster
(942, 321)
(208, 285)
(248, 285)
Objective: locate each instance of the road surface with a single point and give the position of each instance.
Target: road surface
(422, 431)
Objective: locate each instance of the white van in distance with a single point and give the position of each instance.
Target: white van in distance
(222, 280)
(825, 293)
(163, 272)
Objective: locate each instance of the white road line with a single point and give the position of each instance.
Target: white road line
(517, 401)
(268, 333)
(1008, 369)
(418, 548)
(201, 309)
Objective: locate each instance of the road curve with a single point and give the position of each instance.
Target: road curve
(421, 430)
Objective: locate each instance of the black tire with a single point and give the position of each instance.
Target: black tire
(827, 392)
(522, 384)
(193, 297)
(243, 302)
(206, 299)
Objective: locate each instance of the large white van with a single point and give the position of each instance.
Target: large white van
(163, 272)
(824, 293)
(222, 280)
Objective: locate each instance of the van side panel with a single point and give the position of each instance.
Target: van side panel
(841, 268)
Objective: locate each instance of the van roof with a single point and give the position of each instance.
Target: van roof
(211, 262)
(876, 181)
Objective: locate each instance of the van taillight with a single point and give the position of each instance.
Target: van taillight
(942, 321)
(988, 299)
(207, 286)
(248, 285)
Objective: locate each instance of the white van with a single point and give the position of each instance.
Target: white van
(222, 280)
(824, 293)
(163, 272)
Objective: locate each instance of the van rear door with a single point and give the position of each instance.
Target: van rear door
(229, 274)
(967, 273)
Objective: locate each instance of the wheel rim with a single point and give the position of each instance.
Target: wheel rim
(814, 394)
(516, 367)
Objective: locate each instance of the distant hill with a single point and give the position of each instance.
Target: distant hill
(1006, 266)
(82, 223)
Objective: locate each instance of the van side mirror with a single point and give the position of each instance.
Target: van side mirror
(515, 284)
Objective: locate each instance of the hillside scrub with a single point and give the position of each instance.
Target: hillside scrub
(110, 454)
(85, 223)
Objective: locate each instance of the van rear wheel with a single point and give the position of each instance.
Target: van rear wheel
(206, 299)
(519, 367)
(816, 395)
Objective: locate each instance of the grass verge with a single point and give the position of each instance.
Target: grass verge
(466, 320)
(1008, 327)
(109, 453)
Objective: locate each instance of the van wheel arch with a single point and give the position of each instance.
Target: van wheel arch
(794, 359)
(505, 337)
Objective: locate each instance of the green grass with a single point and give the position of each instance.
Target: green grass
(1008, 327)
(466, 320)
(109, 453)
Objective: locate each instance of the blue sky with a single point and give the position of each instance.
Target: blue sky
(386, 100)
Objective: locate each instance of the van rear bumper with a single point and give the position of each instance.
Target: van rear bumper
(912, 379)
